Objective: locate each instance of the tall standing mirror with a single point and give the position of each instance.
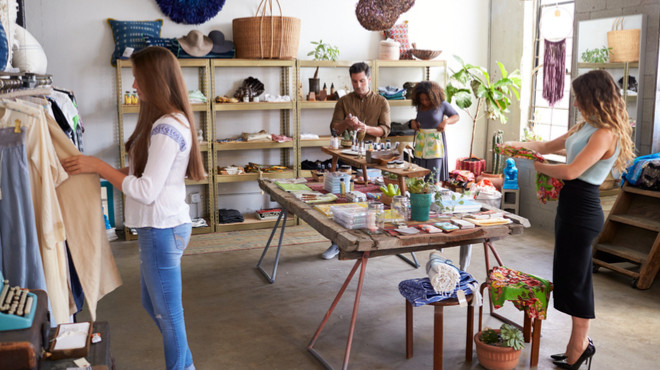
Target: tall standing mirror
(616, 44)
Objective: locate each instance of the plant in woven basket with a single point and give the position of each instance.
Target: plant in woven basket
(493, 96)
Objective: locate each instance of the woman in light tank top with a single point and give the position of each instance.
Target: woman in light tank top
(593, 147)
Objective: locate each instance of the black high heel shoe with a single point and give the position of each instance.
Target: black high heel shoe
(562, 356)
(587, 355)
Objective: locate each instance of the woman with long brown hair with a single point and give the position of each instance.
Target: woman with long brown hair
(162, 151)
(593, 146)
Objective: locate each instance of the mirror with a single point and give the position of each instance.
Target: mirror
(624, 38)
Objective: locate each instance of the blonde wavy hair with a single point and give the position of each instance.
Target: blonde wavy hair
(601, 104)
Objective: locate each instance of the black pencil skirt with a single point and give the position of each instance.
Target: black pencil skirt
(579, 221)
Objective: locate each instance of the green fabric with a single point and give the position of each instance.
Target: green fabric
(291, 187)
(526, 291)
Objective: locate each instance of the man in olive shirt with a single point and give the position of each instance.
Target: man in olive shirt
(362, 110)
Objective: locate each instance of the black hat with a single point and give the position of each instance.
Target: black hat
(220, 45)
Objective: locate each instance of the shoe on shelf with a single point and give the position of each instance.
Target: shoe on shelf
(331, 252)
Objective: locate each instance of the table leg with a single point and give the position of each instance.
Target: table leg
(402, 183)
(310, 347)
(334, 163)
(281, 217)
(364, 174)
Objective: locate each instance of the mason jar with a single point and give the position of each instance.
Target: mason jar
(375, 217)
(401, 206)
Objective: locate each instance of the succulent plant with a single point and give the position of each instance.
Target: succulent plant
(508, 336)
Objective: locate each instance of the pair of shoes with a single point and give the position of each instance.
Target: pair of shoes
(331, 252)
(562, 356)
(587, 355)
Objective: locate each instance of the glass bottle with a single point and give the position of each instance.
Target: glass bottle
(127, 98)
(375, 218)
(134, 97)
(401, 206)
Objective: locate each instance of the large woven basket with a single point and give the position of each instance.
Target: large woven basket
(266, 36)
(624, 43)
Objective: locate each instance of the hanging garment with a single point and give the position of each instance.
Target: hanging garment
(20, 258)
(46, 173)
(65, 103)
(80, 198)
(554, 71)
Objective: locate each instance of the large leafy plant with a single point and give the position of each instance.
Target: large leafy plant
(323, 51)
(473, 85)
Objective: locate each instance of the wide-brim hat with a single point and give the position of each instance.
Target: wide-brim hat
(220, 45)
(196, 43)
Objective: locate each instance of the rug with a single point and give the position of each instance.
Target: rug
(251, 239)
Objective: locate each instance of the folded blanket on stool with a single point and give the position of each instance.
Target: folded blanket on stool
(444, 276)
(420, 291)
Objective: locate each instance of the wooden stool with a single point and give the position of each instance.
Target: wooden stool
(531, 326)
(438, 329)
(511, 200)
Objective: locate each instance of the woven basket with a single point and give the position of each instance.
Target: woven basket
(624, 43)
(266, 36)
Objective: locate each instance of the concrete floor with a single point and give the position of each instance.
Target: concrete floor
(236, 320)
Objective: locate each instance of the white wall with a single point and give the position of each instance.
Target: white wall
(78, 43)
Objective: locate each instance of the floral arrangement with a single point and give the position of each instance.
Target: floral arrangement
(547, 188)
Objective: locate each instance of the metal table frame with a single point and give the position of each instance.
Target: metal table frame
(362, 258)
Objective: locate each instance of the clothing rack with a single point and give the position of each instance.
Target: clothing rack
(13, 84)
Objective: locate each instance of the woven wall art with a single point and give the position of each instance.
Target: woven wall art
(190, 11)
(380, 15)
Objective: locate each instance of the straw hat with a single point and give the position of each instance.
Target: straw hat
(196, 43)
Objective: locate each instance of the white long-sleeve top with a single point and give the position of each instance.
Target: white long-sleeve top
(157, 198)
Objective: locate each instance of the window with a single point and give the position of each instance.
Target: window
(545, 122)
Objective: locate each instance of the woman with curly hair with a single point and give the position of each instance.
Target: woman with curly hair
(433, 115)
(593, 146)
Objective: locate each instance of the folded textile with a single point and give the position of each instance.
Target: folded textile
(444, 276)
(633, 173)
(257, 136)
(226, 216)
(280, 138)
(196, 97)
(547, 188)
(304, 136)
(420, 291)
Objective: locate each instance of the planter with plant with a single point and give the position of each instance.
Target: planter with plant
(499, 349)
(421, 197)
(472, 86)
(601, 55)
(322, 51)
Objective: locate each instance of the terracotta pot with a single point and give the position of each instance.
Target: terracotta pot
(494, 357)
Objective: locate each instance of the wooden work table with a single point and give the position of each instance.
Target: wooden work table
(359, 245)
(410, 169)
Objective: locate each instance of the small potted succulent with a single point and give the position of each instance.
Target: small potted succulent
(421, 197)
(499, 349)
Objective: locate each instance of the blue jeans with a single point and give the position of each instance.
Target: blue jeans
(160, 278)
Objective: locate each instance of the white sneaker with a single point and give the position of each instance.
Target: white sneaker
(331, 252)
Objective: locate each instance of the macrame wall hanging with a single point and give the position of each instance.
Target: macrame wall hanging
(556, 23)
(190, 11)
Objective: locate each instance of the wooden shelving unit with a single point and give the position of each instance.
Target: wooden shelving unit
(204, 123)
(290, 122)
(630, 241)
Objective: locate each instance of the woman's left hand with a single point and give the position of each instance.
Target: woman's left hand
(80, 164)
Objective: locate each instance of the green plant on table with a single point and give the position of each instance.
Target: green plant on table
(419, 185)
(509, 336)
(601, 55)
(448, 208)
(323, 51)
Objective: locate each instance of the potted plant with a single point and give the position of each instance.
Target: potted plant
(499, 349)
(322, 51)
(473, 85)
(421, 196)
